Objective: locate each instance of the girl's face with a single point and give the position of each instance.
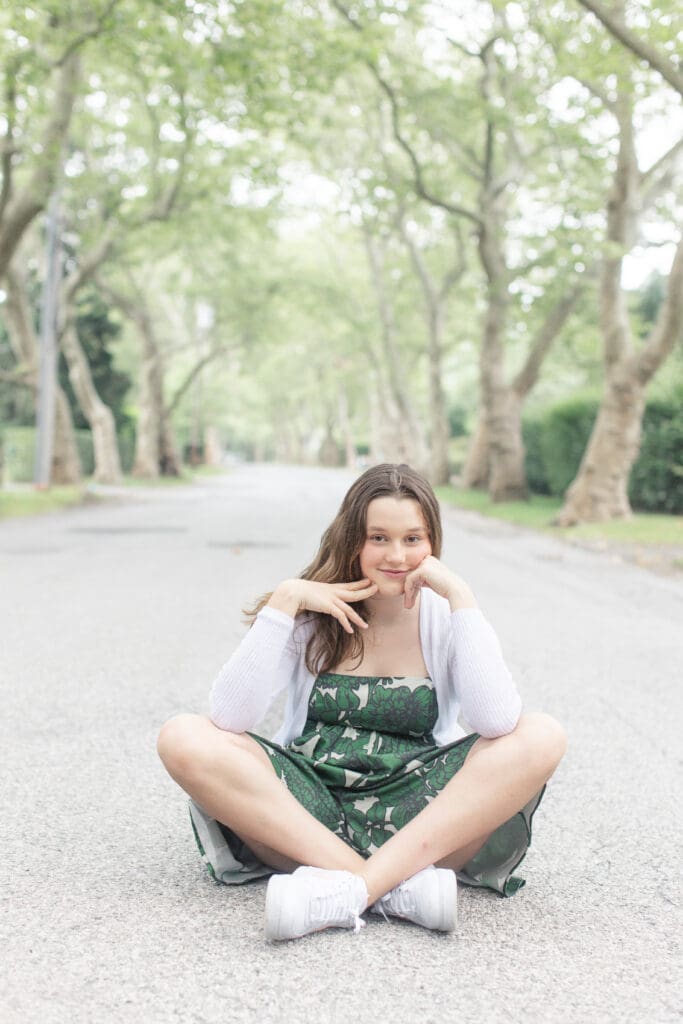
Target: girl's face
(396, 542)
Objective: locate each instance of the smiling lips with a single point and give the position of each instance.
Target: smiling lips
(395, 572)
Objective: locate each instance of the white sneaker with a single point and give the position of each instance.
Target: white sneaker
(429, 898)
(312, 899)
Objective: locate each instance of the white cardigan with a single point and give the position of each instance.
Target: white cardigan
(460, 649)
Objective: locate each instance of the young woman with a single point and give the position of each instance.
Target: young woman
(370, 795)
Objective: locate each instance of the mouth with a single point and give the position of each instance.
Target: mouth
(394, 573)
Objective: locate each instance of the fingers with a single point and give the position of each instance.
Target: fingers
(351, 613)
(412, 584)
(338, 614)
(359, 595)
(357, 584)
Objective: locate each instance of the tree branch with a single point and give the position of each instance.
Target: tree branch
(196, 369)
(89, 33)
(418, 177)
(22, 208)
(660, 175)
(668, 328)
(657, 60)
(8, 149)
(544, 338)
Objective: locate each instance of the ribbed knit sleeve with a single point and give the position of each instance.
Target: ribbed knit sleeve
(260, 667)
(489, 701)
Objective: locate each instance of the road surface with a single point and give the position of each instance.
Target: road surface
(116, 616)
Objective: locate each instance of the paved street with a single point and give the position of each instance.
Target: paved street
(115, 616)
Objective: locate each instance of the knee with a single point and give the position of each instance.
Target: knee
(182, 744)
(544, 739)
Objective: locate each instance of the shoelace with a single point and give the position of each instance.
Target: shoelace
(399, 901)
(332, 908)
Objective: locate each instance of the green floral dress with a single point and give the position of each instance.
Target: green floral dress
(366, 764)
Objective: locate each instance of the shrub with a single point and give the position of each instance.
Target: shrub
(656, 482)
(532, 428)
(556, 439)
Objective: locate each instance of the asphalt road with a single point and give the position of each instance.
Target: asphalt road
(116, 616)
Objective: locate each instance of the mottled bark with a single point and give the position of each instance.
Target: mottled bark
(146, 458)
(22, 206)
(156, 448)
(98, 415)
(346, 429)
(600, 488)
(477, 468)
(435, 297)
(66, 464)
(213, 449)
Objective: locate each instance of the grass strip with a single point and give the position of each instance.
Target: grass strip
(540, 510)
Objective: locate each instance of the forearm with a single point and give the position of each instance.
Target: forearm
(489, 699)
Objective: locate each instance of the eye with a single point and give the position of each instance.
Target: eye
(415, 540)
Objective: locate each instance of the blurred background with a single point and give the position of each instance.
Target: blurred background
(340, 233)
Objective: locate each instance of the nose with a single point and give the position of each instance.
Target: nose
(395, 553)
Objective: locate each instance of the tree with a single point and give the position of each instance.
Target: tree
(66, 464)
(493, 164)
(600, 489)
(40, 52)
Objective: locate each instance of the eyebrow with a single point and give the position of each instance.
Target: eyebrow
(383, 529)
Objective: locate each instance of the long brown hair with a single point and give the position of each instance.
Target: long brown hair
(338, 557)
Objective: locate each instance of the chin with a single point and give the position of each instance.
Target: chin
(387, 588)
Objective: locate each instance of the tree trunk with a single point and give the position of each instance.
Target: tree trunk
(345, 427)
(600, 489)
(501, 410)
(507, 480)
(146, 458)
(66, 464)
(170, 462)
(439, 431)
(98, 415)
(477, 466)
(213, 449)
(156, 450)
(435, 300)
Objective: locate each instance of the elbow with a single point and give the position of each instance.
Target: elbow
(500, 724)
(232, 718)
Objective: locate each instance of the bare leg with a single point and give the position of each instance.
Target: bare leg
(231, 777)
(470, 808)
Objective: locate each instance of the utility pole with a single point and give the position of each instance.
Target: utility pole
(47, 380)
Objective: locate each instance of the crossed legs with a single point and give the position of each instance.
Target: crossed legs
(230, 776)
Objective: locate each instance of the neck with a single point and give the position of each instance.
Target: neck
(385, 611)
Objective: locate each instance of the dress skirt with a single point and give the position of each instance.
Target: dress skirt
(364, 766)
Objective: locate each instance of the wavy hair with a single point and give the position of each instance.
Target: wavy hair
(338, 557)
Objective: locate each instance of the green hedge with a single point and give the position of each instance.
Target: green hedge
(17, 452)
(656, 483)
(555, 441)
